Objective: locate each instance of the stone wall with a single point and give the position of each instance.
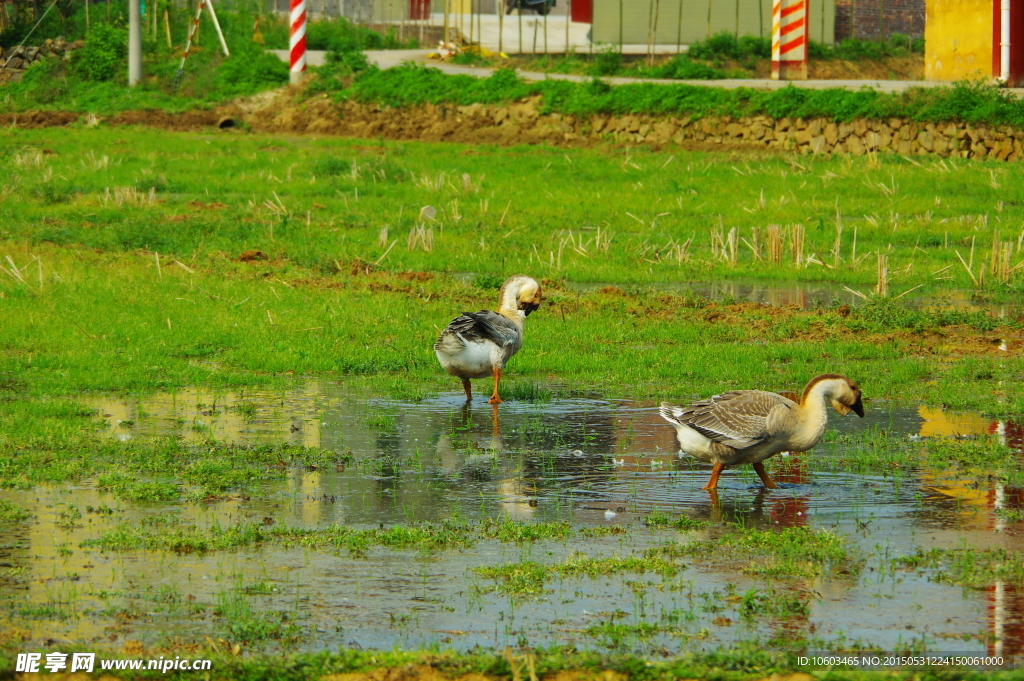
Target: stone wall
(874, 19)
(522, 123)
(16, 59)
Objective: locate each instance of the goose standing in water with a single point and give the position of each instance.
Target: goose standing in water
(478, 344)
(749, 426)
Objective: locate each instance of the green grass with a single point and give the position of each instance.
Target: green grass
(127, 275)
(746, 662)
(970, 568)
(659, 519)
(787, 552)
(11, 512)
(449, 534)
(89, 309)
(54, 441)
(527, 578)
(94, 80)
(412, 85)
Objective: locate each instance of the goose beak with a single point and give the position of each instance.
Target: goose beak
(858, 407)
(845, 409)
(527, 308)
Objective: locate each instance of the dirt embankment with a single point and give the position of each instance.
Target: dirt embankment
(890, 68)
(523, 123)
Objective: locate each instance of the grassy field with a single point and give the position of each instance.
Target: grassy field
(125, 271)
(136, 261)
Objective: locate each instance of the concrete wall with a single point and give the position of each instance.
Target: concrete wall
(755, 18)
(958, 39)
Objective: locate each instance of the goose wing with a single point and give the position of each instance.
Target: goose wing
(738, 418)
(481, 326)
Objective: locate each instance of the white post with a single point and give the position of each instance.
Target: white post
(134, 43)
(1004, 41)
(216, 24)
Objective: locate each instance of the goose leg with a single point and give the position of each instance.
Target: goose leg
(495, 397)
(468, 387)
(716, 470)
(763, 474)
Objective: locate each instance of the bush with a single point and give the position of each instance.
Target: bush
(338, 69)
(43, 82)
(724, 45)
(248, 70)
(341, 35)
(897, 45)
(681, 67)
(607, 62)
(104, 55)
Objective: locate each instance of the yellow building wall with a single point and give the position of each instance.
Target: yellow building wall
(957, 39)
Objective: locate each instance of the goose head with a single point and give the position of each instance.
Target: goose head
(839, 391)
(520, 294)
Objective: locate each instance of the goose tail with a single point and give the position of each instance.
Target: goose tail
(671, 413)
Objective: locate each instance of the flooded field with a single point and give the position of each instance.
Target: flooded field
(600, 476)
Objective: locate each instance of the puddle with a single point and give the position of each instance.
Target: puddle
(594, 463)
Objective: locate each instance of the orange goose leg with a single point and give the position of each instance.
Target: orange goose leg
(468, 387)
(495, 397)
(713, 482)
(763, 474)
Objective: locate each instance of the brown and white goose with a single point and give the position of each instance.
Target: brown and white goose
(748, 426)
(478, 344)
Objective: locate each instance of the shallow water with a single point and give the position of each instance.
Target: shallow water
(593, 462)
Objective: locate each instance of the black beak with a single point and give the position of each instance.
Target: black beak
(858, 407)
(527, 308)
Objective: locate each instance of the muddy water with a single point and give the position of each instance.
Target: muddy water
(595, 463)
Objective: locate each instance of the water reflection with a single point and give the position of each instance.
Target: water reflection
(592, 462)
(583, 453)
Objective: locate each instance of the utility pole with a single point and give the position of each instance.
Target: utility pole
(134, 43)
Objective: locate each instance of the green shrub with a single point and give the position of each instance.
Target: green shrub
(43, 82)
(607, 62)
(341, 35)
(104, 55)
(754, 46)
(250, 69)
(411, 85)
(855, 49)
(724, 45)
(681, 67)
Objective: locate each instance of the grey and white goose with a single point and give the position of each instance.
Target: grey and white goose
(749, 426)
(478, 344)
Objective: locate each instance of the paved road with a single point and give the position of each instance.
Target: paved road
(388, 58)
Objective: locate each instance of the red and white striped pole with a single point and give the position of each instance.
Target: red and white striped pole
(789, 39)
(297, 43)
(188, 43)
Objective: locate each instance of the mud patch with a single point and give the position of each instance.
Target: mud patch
(185, 121)
(38, 119)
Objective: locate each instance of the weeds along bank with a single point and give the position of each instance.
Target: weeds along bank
(410, 102)
(963, 121)
(525, 121)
